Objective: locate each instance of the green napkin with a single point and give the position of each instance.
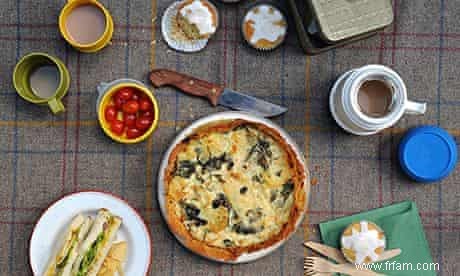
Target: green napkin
(403, 229)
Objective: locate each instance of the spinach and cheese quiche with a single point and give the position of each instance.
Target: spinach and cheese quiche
(233, 187)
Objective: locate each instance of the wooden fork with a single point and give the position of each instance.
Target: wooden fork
(316, 265)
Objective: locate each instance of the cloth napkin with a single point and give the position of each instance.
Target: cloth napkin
(403, 229)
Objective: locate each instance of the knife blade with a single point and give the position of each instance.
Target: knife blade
(216, 94)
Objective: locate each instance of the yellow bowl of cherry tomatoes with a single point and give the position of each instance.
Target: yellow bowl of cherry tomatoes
(128, 112)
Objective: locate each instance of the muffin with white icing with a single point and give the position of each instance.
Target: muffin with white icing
(363, 242)
(264, 27)
(197, 19)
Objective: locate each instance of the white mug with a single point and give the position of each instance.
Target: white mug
(343, 100)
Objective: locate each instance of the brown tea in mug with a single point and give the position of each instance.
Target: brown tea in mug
(44, 81)
(375, 98)
(86, 24)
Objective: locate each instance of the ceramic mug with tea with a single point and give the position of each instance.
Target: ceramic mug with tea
(369, 99)
(86, 25)
(42, 79)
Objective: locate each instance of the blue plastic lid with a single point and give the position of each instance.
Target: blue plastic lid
(427, 153)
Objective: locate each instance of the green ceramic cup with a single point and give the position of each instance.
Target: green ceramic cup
(21, 76)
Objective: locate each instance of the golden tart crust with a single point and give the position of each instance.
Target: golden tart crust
(254, 203)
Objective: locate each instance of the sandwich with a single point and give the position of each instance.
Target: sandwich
(95, 247)
(61, 263)
(113, 263)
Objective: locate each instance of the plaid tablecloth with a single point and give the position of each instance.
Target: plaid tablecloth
(43, 157)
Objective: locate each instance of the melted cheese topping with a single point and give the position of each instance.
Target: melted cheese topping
(232, 188)
(267, 23)
(199, 14)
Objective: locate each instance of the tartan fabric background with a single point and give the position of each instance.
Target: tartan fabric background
(43, 157)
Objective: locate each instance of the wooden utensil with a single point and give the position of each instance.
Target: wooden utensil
(317, 265)
(327, 251)
(336, 255)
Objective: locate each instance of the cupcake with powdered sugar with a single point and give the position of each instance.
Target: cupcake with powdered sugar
(363, 242)
(197, 19)
(188, 25)
(264, 27)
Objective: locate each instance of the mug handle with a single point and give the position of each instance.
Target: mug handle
(56, 106)
(415, 108)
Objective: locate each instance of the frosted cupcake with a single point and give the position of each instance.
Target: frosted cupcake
(264, 27)
(197, 19)
(363, 242)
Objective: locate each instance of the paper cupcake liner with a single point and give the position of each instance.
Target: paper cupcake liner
(173, 35)
(263, 49)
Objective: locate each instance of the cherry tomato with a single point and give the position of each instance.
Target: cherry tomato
(110, 113)
(131, 107)
(148, 114)
(143, 123)
(117, 127)
(132, 133)
(142, 95)
(129, 119)
(145, 104)
(136, 96)
(118, 102)
(125, 93)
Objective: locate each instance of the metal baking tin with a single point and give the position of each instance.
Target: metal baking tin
(310, 31)
(343, 19)
(224, 116)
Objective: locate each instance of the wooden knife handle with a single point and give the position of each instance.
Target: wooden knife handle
(188, 84)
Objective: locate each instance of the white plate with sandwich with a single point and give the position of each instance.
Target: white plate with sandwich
(90, 234)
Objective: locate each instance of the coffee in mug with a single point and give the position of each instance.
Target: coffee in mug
(375, 98)
(44, 81)
(366, 100)
(86, 24)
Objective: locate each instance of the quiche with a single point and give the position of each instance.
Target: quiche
(233, 187)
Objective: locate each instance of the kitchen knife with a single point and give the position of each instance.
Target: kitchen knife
(216, 94)
(336, 255)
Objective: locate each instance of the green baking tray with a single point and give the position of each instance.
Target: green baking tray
(326, 24)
